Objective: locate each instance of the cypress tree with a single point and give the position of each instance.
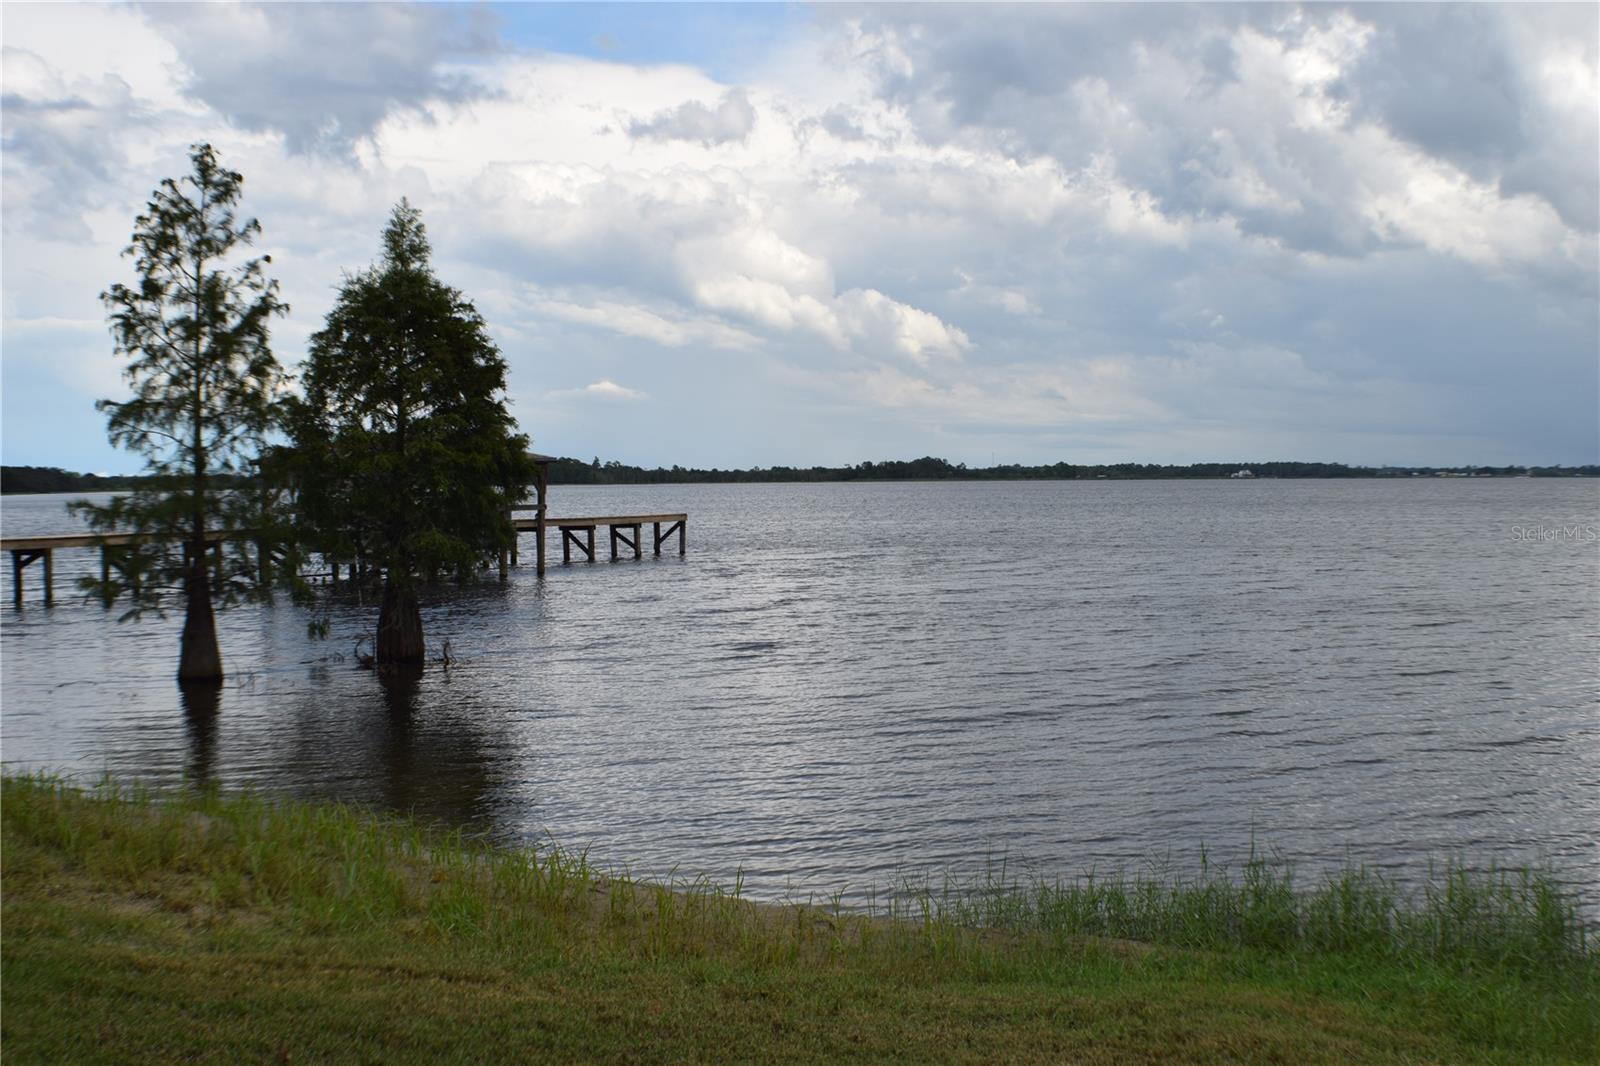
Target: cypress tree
(406, 453)
(207, 392)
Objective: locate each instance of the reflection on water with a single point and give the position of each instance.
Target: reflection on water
(201, 704)
(843, 681)
(399, 740)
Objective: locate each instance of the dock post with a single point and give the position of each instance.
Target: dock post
(49, 577)
(591, 544)
(16, 579)
(683, 527)
(613, 531)
(541, 483)
(538, 543)
(656, 537)
(637, 554)
(504, 566)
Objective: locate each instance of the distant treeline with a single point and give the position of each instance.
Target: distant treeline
(577, 472)
(24, 479)
(20, 479)
(53, 479)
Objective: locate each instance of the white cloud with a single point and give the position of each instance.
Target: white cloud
(1072, 227)
(882, 323)
(667, 327)
(601, 390)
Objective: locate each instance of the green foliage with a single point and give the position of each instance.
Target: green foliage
(206, 388)
(1496, 920)
(153, 917)
(405, 454)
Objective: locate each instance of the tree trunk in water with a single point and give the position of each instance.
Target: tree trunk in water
(199, 658)
(399, 624)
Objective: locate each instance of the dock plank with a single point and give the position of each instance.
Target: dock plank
(603, 520)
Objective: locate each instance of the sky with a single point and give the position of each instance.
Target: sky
(776, 234)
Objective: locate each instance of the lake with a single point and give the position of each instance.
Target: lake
(841, 683)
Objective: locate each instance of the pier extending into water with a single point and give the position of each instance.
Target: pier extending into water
(625, 530)
(25, 551)
(577, 535)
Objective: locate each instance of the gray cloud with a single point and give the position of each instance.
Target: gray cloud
(1205, 107)
(838, 122)
(323, 74)
(1085, 233)
(66, 139)
(62, 151)
(730, 120)
(1464, 83)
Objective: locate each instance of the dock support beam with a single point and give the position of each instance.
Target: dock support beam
(23, 558)
(617, 534)
(569, 537)
(676, 527)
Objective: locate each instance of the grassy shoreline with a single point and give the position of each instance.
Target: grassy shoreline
(215, 927)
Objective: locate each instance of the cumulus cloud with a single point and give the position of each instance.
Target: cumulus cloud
(1127, 231)
(79, 83)
(1503, 92)
(886, 324)
(323, 75)
(731, 120)
(1298, 124)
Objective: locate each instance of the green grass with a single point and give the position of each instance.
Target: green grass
(224, 928)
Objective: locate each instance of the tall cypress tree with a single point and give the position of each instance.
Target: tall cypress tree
(407, 456)
(206, 394)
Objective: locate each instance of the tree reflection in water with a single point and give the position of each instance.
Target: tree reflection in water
(427, 751)
(202, 705)
(413, 740)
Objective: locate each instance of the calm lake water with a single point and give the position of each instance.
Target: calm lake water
(841, 683)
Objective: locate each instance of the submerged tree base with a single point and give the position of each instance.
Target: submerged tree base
(399, 625)
(199, 656)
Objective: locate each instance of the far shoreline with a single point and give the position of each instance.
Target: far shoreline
(33, 480)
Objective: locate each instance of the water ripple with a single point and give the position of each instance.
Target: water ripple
(840, 682)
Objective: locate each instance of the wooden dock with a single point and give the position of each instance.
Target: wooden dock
(624, 529)
(576, 533)
(27, 550)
